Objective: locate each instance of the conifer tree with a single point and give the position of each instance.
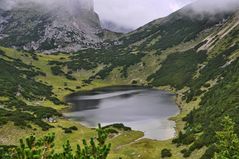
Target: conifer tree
(228, 141)
(33, 148)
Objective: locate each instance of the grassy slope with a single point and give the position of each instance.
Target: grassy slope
(10, 134)
(124, 144)
(150, 64)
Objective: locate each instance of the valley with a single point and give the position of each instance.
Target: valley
(197, 59)
(10, 132)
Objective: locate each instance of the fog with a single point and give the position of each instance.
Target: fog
(215, 6)
(131, 13)
(67, 4)
(135, 13)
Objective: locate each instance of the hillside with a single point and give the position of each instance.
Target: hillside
(61, 26)
(196, 57)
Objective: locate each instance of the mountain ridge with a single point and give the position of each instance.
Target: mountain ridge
(197, 59)
(32, 26)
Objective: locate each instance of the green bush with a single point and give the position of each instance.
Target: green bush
(44, 148)
(166, 153)
(56, 70)
(73, 128)
(219, 101)
(175, 70)
(118, 126)
(188, 139)
(67, 131)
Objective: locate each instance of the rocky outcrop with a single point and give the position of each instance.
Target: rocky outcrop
(50, 27)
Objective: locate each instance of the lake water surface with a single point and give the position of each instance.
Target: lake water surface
(141, 109)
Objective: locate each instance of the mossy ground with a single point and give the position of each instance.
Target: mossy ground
(145, 52)
(126, 145)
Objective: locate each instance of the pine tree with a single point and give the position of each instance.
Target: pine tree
(228, 142)
(33, 148)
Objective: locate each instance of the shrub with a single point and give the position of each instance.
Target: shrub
(166, 153)
(207, 85)
(73, 128)
(118, 126)
(189, 139)
(56, 70)
(45, 148)
(67, 131)
(112, 131)
(70, 77)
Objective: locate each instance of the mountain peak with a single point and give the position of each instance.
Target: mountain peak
(56, 25)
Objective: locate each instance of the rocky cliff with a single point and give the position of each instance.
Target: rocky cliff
(50, 26)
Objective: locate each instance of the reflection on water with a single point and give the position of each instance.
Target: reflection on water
(88, 105)
(141, 109)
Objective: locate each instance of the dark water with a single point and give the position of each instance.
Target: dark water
(142, 109)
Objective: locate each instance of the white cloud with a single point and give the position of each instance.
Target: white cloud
(213, 6)
(135, 13)
(174, 6)
(71, 5)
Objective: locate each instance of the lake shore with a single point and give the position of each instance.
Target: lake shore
(175, 118)
(128, 104)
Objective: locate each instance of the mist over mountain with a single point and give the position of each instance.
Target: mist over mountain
(136, 13)
(214, 6)
(71, 25)
(193, 53)
(71, 5)
(56, 25)
(114, 27)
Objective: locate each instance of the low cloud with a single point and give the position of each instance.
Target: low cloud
(135, 13)
(73, 5)
(131, 13)
(6, 5)
(215, 6)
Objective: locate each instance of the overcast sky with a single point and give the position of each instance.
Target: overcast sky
(135, 13)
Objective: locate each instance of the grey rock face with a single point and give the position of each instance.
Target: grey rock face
(52, 27)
